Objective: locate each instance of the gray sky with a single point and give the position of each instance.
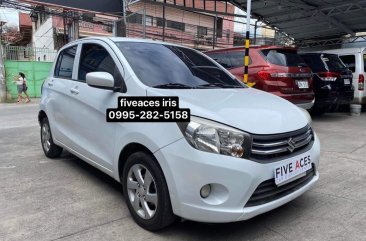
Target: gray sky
(9, 15)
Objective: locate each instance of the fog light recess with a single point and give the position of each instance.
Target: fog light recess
(205, 191)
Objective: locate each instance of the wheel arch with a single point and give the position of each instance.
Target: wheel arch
(127, 151)
(41, 115)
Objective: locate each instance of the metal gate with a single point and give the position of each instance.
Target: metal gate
(35, 73)
(35, 63)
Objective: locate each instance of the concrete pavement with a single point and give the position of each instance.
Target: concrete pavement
(66, 199)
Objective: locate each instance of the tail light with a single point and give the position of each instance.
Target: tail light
(361, 82)
(264, 75)
(328, 76)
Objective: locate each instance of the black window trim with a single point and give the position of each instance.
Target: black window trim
(113, 55)
(58, 58)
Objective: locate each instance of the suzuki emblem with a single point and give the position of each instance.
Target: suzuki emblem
(291, 145)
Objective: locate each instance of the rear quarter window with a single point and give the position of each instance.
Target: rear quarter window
(349, 61)
(237, 59)
(221, 58)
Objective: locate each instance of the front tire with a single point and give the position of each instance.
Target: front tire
(146, 192)
(50, 149)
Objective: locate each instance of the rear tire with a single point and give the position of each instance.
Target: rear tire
(146, 192)
(50, 149)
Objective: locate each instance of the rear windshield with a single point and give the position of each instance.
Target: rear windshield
(323, 62)
(283, 57)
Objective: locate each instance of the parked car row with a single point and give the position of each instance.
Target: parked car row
(318, 82)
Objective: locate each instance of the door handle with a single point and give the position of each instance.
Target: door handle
(74, 91)
(50, 83)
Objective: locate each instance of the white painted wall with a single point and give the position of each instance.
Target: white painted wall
(43, 39)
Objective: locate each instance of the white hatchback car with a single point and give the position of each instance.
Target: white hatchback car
(244, 152)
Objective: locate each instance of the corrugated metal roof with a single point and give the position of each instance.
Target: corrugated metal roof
(311, 19)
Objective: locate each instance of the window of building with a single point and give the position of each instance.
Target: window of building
(349, 61)
(201, 31)
(135, 18)
(171, 24)
(175, 25)
(159, 22)
(149, 20)
(65, 63)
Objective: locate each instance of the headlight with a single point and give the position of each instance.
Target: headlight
(209, 136)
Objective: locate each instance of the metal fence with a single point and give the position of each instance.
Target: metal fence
(28, 54)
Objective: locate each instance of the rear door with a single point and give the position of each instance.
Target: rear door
(58, 95)
(94, 137)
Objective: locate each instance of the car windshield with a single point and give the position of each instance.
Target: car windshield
(283, 57)
(173, 67)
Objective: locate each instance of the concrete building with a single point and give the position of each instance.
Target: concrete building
(190, 28)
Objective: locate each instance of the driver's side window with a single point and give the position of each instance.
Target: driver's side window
(95, 58)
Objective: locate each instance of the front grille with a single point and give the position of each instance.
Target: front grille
(268, 191)
(266, 148)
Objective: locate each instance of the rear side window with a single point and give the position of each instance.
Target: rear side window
(364, 61)
(95, 58)
(65, 63)
(237, 59)
(333, 62)
(314, 62)
(221, 59)
(349, 61)
(283, 57)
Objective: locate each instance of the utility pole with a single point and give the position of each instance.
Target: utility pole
(2, 67)
(247, 43)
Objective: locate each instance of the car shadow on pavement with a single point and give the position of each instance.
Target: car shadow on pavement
(89, 170)
(243, 230)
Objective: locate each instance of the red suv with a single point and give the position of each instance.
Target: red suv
(278, 70)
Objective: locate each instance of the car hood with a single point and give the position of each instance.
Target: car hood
(250, 110)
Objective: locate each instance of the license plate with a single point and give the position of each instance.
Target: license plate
(302, 84)
(347, 81)
(293, 169)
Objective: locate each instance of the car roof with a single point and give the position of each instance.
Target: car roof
(123, 39)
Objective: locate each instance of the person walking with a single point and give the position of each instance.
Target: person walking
(22, 87)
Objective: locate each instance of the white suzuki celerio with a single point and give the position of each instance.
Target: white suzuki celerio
(244, 152)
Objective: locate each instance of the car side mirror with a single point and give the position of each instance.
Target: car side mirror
(102, 80)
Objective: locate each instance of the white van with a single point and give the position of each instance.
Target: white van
(354, 59)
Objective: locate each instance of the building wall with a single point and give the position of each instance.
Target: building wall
(43, 39)
(192, 21)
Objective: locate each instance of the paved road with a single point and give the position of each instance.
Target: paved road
(66, 199)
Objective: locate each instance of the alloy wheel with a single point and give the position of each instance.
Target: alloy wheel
(142, 192)
(46, 137)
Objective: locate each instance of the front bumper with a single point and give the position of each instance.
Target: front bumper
(234, 181)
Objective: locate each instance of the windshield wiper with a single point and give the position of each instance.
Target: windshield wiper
(173, 86)
(220, 85)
